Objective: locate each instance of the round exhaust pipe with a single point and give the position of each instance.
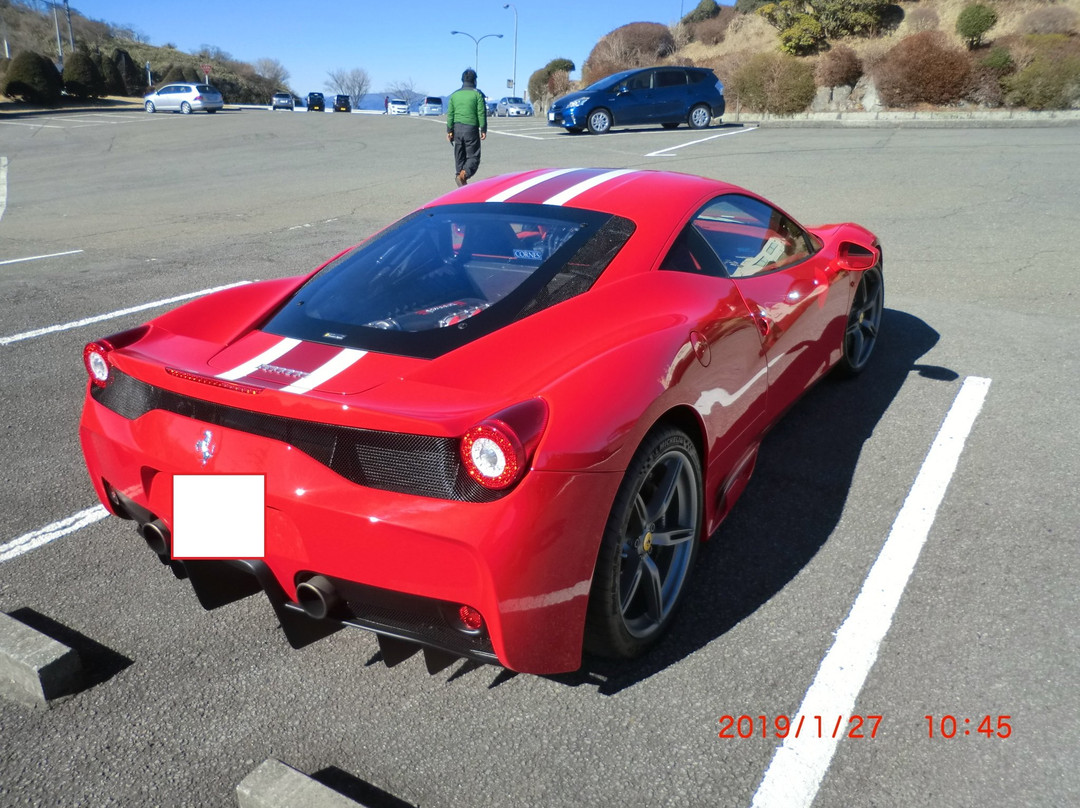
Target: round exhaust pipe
(156, 536)
(317, 597)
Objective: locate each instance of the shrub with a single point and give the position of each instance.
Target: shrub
(998, 60)
(110, 73)
(922, 19)
(1052, 79)
(973, 23)
(922, 68)
(636, 44)
(804, 36)
(774, 83)
(133, 75)
(749, 6)
(713, 30)
(1049, 20)
(33, 78)
(82, 78)
(841, 65)
(706, 10)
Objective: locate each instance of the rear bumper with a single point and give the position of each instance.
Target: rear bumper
(524, 561)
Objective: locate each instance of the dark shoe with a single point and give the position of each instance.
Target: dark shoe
(459, 178)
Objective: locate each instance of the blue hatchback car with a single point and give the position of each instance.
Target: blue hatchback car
(667, 96)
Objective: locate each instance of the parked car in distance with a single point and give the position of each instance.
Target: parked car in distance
(185, 98)
(398, 106)
(668, 96)
(316, 102)
(432, 105)
(512, 107)
(282, 101)
(342, 103)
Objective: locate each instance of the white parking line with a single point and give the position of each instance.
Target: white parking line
(799, 765)
(37, 538)
(3, 186)
(32, 257)
(37, 332)
(664, 152)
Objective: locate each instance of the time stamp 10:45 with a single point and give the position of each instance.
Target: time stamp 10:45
(856, 726)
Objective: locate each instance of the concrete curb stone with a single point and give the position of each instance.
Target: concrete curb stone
(273, 784)
(34, 668)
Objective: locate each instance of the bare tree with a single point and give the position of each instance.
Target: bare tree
(405, 90)
(273, 71)
(353, 83)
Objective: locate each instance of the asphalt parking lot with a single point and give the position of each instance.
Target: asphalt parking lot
(104, 213)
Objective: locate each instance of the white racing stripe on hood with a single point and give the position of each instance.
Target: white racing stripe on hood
(346, 359)
(565, 196)
(514, 190)
(265, 358)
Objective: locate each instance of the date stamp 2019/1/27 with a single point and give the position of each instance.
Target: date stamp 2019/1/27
(856, 726)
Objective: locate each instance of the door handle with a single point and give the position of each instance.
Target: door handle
(764, 324)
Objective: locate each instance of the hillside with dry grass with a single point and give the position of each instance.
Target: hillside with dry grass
(1030, 57)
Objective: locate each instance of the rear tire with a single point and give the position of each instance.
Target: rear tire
(648, 548)
(185, 108)
(700, 117)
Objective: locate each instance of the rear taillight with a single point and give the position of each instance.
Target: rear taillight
(96, 354)
(497, 451)
(96, 358)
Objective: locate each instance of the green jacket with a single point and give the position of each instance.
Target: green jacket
(466, 106)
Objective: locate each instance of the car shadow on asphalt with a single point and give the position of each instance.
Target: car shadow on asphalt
(790, 508)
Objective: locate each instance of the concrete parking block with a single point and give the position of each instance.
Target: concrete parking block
(274, 784)
(35, 668)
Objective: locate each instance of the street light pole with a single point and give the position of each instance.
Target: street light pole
(476, 59)
(514, 79)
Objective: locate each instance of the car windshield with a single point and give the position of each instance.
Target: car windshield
(446, 275)
(514, 101)
(608, 82)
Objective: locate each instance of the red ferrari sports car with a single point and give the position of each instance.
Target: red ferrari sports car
(500, 428)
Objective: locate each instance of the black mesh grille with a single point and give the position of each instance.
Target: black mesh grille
(424, 619)
(409, 464)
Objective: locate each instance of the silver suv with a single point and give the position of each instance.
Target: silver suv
(185, 98)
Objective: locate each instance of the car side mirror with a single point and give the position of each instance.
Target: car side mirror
(855, 257)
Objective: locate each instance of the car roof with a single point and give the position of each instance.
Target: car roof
(634, 194)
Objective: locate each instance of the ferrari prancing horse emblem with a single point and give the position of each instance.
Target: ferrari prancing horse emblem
(206, 446)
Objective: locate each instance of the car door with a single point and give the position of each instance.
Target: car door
(170, 97)
(798, 300)
(727, 364)
(669, 95)
(632, 102)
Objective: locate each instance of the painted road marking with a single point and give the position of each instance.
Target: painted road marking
(664, 152)
(32, 257)
(42, 536)
(3, 185)
(799, 765)
(37, 332)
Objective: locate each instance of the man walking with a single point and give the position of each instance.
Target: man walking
(466, 126)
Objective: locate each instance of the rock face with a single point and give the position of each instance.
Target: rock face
(844, 98)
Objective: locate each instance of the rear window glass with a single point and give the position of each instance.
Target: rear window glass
(432, 100)
(447, 275)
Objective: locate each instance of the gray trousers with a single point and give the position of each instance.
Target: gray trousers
(466, 148)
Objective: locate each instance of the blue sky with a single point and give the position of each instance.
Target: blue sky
(393, 40)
